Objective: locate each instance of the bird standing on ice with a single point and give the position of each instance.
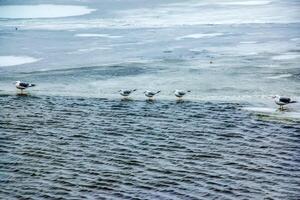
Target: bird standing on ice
(180, 93)
(22, 86)
(281, 101)
(126, 93)
(150, 94)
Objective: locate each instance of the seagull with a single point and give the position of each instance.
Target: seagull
(180, 93)
(126, 93)
(150, 94)
(22, 86)
(281, 101)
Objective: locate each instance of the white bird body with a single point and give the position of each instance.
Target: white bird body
(126, 93)
(150, 94)
(22, 85)
(180, 93)
(281, 101)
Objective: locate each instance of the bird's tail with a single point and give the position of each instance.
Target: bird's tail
(189, 91)
(158, 91)
(293, 102)
(134, 90)
(31, 85)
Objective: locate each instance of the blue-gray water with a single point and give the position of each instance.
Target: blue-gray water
(70, 148)
(72, 137)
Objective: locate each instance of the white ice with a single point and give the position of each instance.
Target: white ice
(6, 61)
(42, 11)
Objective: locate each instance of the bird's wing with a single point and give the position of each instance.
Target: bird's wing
(24, 84)
(285, 99)
(181, 93)
(127, 92)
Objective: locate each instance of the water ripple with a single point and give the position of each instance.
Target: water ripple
(74, 148)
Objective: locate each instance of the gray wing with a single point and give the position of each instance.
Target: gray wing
(127, 92)
(285, 99)
(24, 84)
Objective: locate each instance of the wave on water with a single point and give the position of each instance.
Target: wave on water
(287, 114)
(199, 35)
(246, 3)
(6, 61)
(286, 57)
(97, 35)
(88, 50)
(295, 39)
(42, 11)
(280, 76)
(248, 42)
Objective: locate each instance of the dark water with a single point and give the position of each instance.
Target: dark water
(75, 148)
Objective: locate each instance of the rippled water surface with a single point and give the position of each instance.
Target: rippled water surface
(71, 148)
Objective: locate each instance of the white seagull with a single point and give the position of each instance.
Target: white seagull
(180, 93)
(126, 93)
(281, 101)
(150, 94)
(22, 86)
